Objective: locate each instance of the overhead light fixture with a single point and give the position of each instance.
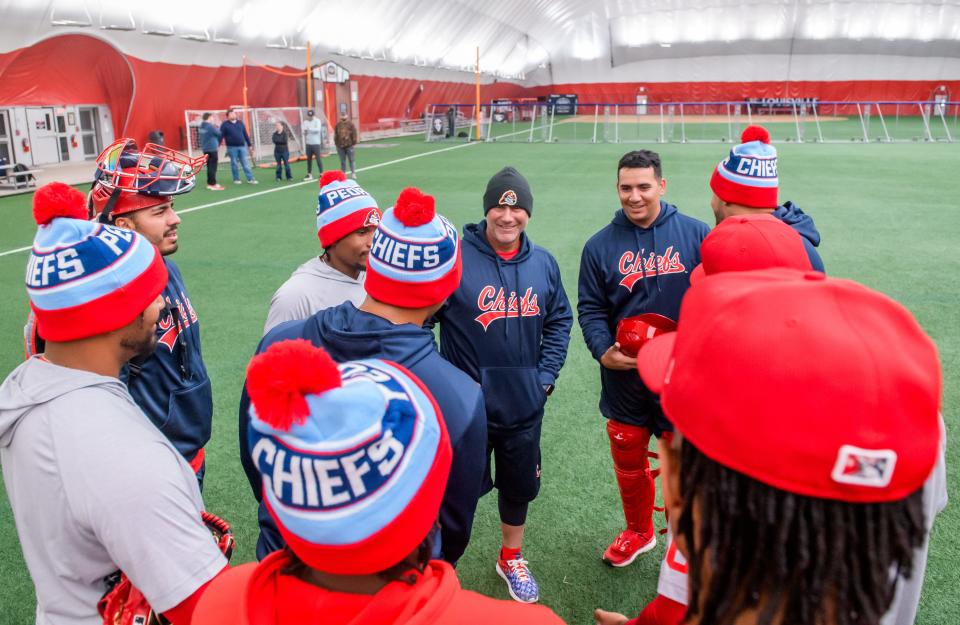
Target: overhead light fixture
(196, 35)
(280, 44)
(118, 21)
(224, 39)
(158, 30)
(79, 17)
(665, 45)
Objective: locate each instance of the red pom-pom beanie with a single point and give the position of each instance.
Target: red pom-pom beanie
(354, 458)
(85, 278)
(415, 258)
(749, 176)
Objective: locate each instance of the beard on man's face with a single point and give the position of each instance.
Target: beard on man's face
(142, 339)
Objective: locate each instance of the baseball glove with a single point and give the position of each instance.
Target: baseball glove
(124, 604)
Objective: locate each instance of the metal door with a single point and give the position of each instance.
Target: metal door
(43, 136)
(90, 131)
(6, 148)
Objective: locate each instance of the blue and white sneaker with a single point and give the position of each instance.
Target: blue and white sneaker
(520, 581)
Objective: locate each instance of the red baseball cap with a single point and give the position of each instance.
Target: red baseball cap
(830, 389)
(749, 242)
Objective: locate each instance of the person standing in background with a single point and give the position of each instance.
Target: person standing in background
(235, 136)
(345, 137)
(281, 150)
(313, 139)
(210, 137)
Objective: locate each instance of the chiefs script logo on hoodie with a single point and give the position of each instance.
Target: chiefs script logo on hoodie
(494, 304)
(168, 330)
(635, 266)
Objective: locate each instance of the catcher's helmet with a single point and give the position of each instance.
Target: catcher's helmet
(129, 179)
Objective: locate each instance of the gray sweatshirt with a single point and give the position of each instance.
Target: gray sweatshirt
(313, 132)
(94, 488)
(314, 286)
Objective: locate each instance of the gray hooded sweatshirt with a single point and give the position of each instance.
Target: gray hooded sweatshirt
(313, 287)
(94, 488)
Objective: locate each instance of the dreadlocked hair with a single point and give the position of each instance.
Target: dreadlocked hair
(811, 561)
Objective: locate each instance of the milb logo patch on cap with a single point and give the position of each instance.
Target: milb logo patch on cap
(864, 467)
(373, 219)
(509, 198)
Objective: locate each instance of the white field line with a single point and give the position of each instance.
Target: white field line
(285, 187)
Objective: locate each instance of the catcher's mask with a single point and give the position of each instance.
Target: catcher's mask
(129, 179)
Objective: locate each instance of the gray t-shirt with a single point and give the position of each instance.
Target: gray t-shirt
(94, 488)
(313, 287)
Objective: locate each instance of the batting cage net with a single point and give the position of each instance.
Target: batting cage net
(261, 124)
(799, 120)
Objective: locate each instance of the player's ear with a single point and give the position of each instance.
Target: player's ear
(124, 222)
(669, 451)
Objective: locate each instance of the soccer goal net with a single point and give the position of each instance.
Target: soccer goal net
(261, 124)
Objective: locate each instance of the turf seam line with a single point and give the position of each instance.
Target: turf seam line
(285, 187)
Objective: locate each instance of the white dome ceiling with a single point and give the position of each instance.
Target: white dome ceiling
(515, 37)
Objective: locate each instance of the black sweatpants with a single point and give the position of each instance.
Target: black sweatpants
(211, 168)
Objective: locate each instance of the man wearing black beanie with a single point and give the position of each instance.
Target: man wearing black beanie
(508, 326)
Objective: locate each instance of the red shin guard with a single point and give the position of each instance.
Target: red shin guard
(628, 446)
(661, 611)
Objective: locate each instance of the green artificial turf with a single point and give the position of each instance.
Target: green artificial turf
(888, 215)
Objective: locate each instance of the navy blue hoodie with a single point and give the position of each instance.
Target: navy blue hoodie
(508, 326)
(791, 215)
(626, 270)
(172, 386)
(351, 334)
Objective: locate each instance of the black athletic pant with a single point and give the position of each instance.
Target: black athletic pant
(211, 168)
(313, 150)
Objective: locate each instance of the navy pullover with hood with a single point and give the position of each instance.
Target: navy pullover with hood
(791, 215)
(350, 334)
(234, 134)
(172, 386)
(626, 270)
(507, 326)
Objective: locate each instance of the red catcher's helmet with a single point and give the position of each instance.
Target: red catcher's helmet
(129, 179)
(633, 332)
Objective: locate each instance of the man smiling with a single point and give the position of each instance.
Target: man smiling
(639, 263)
(508, 327)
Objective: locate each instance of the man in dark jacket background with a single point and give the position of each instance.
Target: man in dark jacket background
(237, 140)
(639, 263)
(389, 325)
(508, 326)
(209, 137)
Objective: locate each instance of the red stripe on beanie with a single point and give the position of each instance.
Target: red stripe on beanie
(743, 195)
(107, 313)
(334, 231)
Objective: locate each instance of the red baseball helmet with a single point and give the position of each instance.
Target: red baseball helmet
(633, 332)
(129, 179)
